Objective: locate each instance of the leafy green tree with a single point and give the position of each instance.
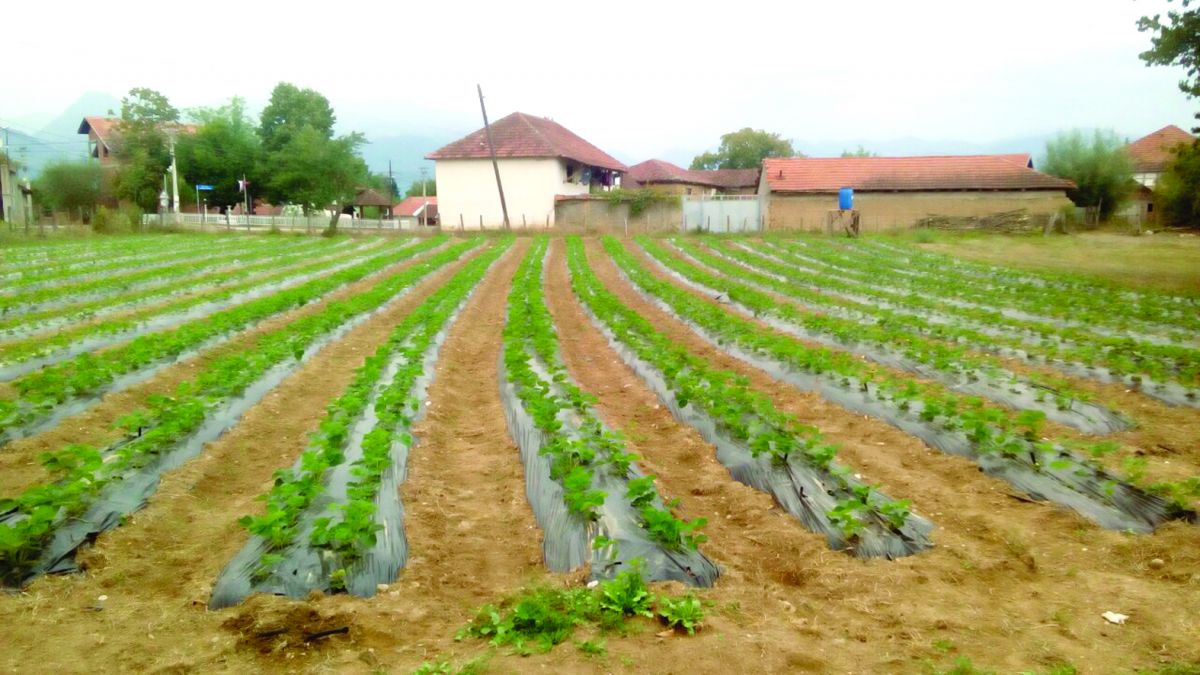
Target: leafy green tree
(383, 184)
(1099, 166)
(1176, 42)
(745, 149)
(70, 186)
(860, 152)
(291, 109)
(303, 162)
(225, 148)
(142, 148)
(1177, 191)
(414, 190)
(315, 171)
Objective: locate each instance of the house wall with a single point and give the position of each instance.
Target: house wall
(466, 190)
(898, 210)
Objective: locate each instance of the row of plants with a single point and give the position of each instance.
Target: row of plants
(56, 274)
(113, 283)
(982, 328)
(28, 521)
(536, 620)
(927, 263)
(39, 392)
(577, 444)
(1003, 440)
(75, 309)
(952, 363)
(282, 271)
(1088, 308)
(18, 259)
(740, 411)
(350, 531)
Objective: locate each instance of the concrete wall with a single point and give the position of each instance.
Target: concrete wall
(466, 190)
(898, 210)
(597, 214)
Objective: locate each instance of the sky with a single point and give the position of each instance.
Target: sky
(639, 79)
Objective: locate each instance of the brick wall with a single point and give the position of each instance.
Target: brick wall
(600, 215)
(898, 210)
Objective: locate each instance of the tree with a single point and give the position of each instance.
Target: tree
(142, 148)
(384, 184)
(315, 171)
(1177, 43)
(225, 148)
(745, 149)
(860, 152)
(414, 190)
(1100, 168)
(1177, 191)
(292, 109)
(70, 186)
(303, 162)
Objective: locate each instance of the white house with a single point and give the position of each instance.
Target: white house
(538, 159)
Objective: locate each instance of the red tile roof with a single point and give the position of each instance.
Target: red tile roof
(661, 171)
(734, 178)
(102, 126)
(411, 206)
(1151, 153)
(887, 174)
(521, 135)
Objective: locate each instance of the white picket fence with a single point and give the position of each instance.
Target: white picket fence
(315, 223)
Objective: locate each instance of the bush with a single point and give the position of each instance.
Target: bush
(110, 221)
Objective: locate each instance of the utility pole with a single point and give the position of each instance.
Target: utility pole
(492, 151)
(425, 199)
(391, 192)
(174, 177)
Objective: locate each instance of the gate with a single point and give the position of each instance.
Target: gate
(722, 213)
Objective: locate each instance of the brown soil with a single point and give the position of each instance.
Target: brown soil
(1168, 437)
(1033, 578)
(1012, 585)
(19, 464)
(156, 571)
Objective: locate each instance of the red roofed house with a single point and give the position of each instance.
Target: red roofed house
(418, 210)
(666, 177)
(539, 159)
(897, 192)
(103, 135)
(1150, 155)
(100, 132)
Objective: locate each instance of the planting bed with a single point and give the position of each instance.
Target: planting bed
(266, 453)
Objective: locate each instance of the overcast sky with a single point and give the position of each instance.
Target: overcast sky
(636, 77)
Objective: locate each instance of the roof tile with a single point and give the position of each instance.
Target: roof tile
(521, 135)
(962, 172)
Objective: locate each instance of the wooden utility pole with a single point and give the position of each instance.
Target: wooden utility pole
(492, 151)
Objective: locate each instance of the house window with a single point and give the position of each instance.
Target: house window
(1149, 208)
(689, 191)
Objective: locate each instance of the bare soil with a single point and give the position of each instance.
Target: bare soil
(1010, 584)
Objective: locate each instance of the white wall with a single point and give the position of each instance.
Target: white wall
(467, 187)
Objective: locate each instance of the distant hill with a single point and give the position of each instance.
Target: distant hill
(91, 103)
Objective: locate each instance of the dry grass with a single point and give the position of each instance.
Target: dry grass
(1163, 261)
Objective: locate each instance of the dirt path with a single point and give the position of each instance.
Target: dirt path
(1034, 578)
(19, 464)
(157, 570)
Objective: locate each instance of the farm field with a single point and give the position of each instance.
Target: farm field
(283, 454)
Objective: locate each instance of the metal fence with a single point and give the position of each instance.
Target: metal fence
(722, 213)
(314, 223)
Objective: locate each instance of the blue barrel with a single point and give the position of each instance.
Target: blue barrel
(846, 199)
